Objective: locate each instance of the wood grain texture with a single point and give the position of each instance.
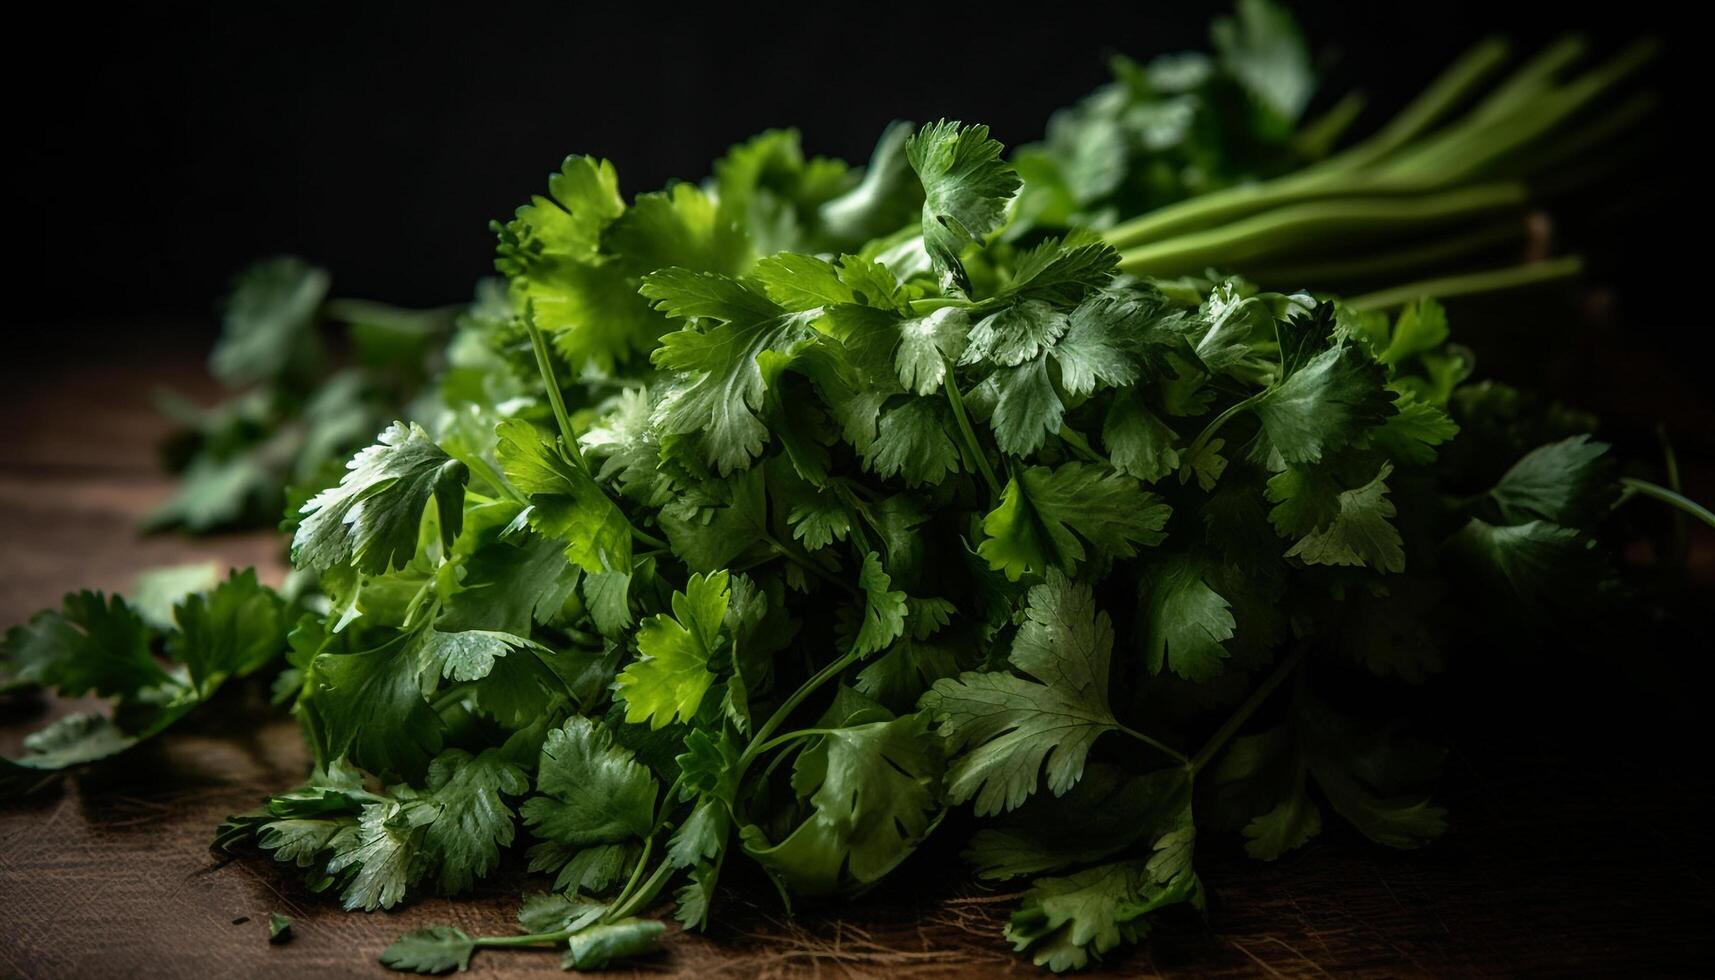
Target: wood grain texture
(1574, 851)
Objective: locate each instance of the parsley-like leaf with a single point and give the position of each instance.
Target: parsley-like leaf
(1005, 727)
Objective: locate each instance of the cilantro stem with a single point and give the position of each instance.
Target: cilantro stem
(648, 539)
(1430, 106)
(1177, 755)
(1656, 491)
(452, 696)
(644, 895)
(637, 872)
(1471, 283)
(931, 303)
(1288, 228)
(1082, 447)
(1332, 176)
(545, 365)
(1393, 260)
(780, 740)
(968, 434)
(1215, 424)
(513, 942)
(1218, 741)
(1670, 461)
(760, 742)
(568, 437)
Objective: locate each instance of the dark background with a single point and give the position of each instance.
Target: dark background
(166, 145)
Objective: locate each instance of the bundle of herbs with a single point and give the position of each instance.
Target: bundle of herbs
(768, 520)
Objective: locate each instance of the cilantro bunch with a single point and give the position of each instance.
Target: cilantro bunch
(755, 526)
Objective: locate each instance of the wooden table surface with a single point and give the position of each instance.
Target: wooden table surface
(1577, 848)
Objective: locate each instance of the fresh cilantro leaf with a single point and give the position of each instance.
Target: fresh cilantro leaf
(474, 823)
(1045, 515)
(1263, 48)
(913, 443)
(966, 188)
(509, 586)
(1066, 922)
(1360, 532)
(372, 709)
(1324, 405)
(377, 857)
(591, 791)
(1185, 621)
(233, 629)
(565, 503)
(1027, 409)
(671, 674)
(1565, 482)
(1411, 435)
(371, 519)
(1005, 727)
(1064, 271)
(1421, 327)
(574, 259)
(883, 610)
(716, 405)
(875, 794)
(1538, 562)
(270, 319)
(94, 644)
(1138, 442)
(436, 949)
(73, 740)
(466, 655)
(1015, 334)
(819, 520)
(927, 344)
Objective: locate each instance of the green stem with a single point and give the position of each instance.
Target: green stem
(649, 539)
(637, 872)
(534, 939)
(780, 740)
(1441, 97)
(568, 437)
(791, 704)
(1470, 283)
(1530, 79)
(1177, 755)
(1337, 174)
(451, 696)
(1318, 137)
(1292, 228)
(545, 365)
(1082, 446)
(931, 303)
(969, 434)
(646, 894)
(1656, 491)
(1214, 425)
(1320, 275)
(1516, 125)
(1216, 742)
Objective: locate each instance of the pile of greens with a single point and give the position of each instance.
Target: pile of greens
(759, 524)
